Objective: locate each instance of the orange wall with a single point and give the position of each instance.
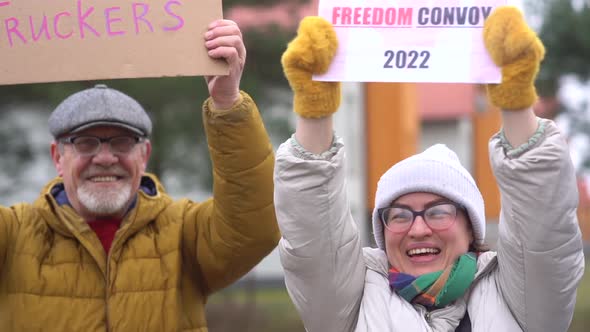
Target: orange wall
(486, 124)
(393, 115)
(392, 129)
(584, 209)
(584, 220)
(445, 101)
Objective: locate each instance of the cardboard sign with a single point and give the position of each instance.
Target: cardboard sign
(70, 40)
(410, 41)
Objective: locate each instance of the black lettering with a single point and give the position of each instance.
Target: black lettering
(413, 57)
(400, 61)
(436, 16)
(389, 54)
(473, 15)
(449, 16)
(461, 15)
(426, 56)
(406, 59)
(486, 11)
(423, 16)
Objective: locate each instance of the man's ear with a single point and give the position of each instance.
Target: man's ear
(146, 152)
(56, 157)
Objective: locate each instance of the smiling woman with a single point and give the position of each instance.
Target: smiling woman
(430, 271)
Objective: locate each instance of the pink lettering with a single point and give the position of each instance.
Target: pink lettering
(56, 23)
(137, 18)
(42, 29)
(179, 18)
(367, 15)
(405, 16)
(357, 15)
(109, 20)
(82, 24)
(346, 15)
(13, 30)
(336, 13)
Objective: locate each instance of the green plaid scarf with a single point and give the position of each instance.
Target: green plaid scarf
(436, 289)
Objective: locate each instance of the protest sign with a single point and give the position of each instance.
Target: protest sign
(63, 40)
(410, 41)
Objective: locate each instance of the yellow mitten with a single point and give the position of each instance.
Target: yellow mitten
(311, 52)
(515, 48)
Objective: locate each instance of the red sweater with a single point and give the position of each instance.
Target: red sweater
(105, 229)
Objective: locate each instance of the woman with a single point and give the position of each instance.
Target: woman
(430, 271)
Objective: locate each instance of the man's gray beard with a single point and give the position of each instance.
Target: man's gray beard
(104, 202)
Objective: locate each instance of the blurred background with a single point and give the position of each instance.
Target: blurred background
(381, 124)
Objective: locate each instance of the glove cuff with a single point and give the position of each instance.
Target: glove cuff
(509, 97)
(317, 99)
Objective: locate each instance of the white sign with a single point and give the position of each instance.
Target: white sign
(410, 41)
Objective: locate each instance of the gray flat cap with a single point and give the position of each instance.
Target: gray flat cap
(97, 106)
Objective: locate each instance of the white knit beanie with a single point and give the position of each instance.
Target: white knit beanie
(437, 170)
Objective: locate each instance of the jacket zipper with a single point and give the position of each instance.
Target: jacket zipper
(108, 283)
(427, 314)
(106, 298)
(62, 216)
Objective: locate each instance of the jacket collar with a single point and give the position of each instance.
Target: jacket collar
(63, 219)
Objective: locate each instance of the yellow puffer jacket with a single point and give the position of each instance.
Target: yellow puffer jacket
(167, 257)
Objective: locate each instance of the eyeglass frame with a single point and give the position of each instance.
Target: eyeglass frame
(70, 140)
(421, 213)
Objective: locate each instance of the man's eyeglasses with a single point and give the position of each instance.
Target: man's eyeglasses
(438, 217)
(90, 145)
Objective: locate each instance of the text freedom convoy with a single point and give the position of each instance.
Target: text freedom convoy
(410, 17)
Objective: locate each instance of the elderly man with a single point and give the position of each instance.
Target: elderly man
(104, 248)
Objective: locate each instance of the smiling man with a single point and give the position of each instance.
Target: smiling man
(95, 150)
(104, 248)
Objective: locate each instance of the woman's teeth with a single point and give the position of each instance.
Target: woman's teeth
(422, 251)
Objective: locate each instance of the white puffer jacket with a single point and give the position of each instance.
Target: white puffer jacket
(529, 285)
